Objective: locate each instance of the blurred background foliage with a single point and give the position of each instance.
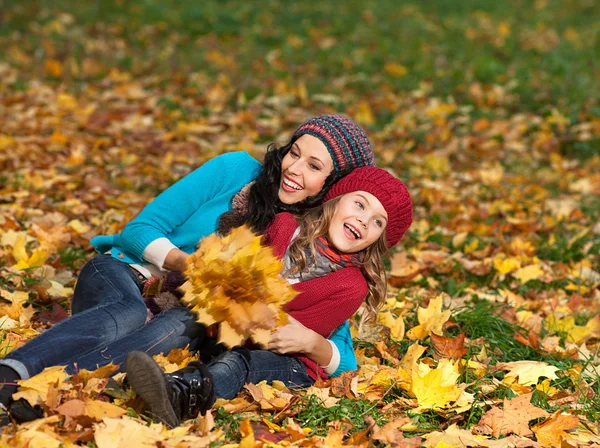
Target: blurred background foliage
(545, 52)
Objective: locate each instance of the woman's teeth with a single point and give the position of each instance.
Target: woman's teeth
(293, 185)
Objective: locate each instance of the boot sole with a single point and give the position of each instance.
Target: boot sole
(148, 381)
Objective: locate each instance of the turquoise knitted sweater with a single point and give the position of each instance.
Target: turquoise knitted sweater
(188, 211)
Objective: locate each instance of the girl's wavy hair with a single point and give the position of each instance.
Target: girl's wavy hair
(263, 198)
(315, 223)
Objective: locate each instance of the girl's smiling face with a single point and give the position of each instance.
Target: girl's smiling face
(304, 170)
(358, 221)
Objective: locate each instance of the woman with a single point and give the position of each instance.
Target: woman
(109, 314)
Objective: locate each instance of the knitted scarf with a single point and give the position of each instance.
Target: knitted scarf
(326, 259)
(237, 215)
(326, 249)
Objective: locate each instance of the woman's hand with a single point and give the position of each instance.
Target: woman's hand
(176, 260)
(296, 338)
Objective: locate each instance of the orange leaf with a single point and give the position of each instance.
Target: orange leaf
(551, 432)
(449, 347)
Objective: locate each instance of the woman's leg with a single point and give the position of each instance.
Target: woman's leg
(233, 369)
(112, 294)
(174, 328)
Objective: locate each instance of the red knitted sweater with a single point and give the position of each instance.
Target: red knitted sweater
(324, 303)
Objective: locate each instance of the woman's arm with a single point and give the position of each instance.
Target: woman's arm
(178, 203)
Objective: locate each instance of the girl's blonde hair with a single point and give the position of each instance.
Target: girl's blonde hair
(315, 223)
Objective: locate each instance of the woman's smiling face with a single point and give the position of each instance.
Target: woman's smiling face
(304, 170)
(358, 221)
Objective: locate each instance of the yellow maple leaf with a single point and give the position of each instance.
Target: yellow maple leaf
(25, 261)
(408, 364)
(528, 372)
(124, 433)
(236, 282)
(15, 297)
(506, 265)
(78, 226)
(527, 273)
(247, 433)
(435, 388)
(364, 114)
(35, 389)
(94, 409)
(575, 333)
(395, 324)
(396, 70)
(431, 319)
(58, 290)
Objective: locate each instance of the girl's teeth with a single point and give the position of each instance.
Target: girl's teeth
(354, 232)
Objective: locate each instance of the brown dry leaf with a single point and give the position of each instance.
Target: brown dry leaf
(513, 418)
(322, 393)
(346, 384)
(403, 270)
(268, 397)
(452, 437)
(390, 432)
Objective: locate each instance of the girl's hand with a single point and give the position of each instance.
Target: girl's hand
(293, 338)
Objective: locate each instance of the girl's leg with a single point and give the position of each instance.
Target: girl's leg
(174, 328)
(171, 398)
(114, 309)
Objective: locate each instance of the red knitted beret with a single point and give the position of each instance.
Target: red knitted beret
(391, 192)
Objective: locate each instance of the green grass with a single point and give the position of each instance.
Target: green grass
(482, 319)
(312, 414)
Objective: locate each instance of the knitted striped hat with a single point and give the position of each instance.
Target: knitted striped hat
(346, 142)
(391, 192)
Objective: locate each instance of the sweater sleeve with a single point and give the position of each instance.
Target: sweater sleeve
(279, 232)
(324, 303)
(177, 203)
(342, 339)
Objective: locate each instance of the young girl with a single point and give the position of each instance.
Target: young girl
(108, 312)
(334, 260)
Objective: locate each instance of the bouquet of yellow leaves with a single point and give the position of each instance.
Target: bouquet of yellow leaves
(235, 281)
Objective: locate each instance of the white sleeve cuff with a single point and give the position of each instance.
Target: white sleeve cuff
(334, 363)
(157, 251)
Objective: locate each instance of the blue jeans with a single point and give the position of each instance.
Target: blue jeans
(231, 370)
(107, 322)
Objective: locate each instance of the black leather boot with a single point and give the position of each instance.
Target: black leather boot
(170, 398)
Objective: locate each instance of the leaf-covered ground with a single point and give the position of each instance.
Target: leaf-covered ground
(489, 112)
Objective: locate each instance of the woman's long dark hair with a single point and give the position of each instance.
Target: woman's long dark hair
(263, 200)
